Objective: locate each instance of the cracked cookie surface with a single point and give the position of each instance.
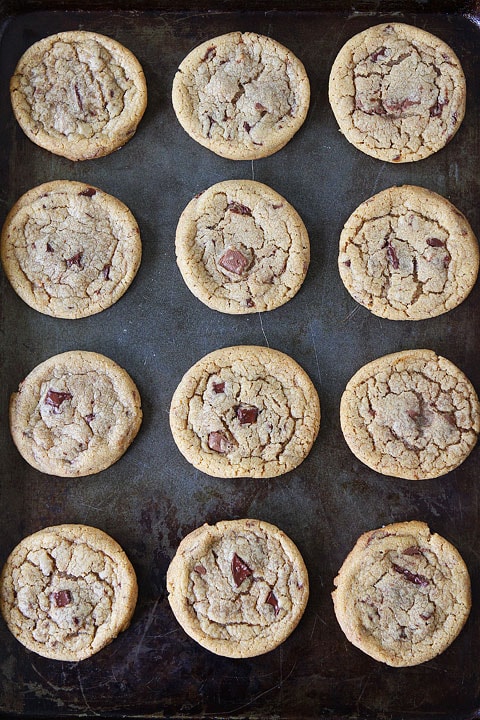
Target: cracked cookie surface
(242, 95)
(408, 254)
(397, 92)
(67, 591)
(78, 94)
(69, 249)
(245, 411)
(75, 414)
(242, 248)
(239, 588)
(403, 594)
(411, 414)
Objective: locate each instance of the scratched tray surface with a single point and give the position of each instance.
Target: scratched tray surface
(152, 497)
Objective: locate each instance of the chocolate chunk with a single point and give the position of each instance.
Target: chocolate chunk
(106, 271)
(210, 54)
(249, 302)
(272, 600)
(55, 399)
(238, 208)
(378, 53)
(200, 569)
(412, 550)
(218, 387)
(436, 109)
(219, 442)
(49, 248)
(435, 242)
(247, 127)
(347, 263)
(247, 415)
(89, 418)
(240, 570)
(411, 577)
(392, 256)
(62, 598)
(89, 192)
(446, 261)
(75, 260)
(234, 261)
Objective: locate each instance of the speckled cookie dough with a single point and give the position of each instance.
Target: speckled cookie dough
(397, 92)
(67, 591)
(242, 248)
(75, 414)
(402, 594)
(78, 94)
(411, 414)
(241, 95)
(69, 249)
(239, 588)
(408, 254)
(245, 411)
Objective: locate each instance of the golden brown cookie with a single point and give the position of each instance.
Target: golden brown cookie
(239, 588)
(408, 254)
(241, 95)
(75, 414)
(67, 591)
(412, 414)
(397, 92)
(78, 94)
(403, 594)
(245, 411)
(242, 248)
(69, 249)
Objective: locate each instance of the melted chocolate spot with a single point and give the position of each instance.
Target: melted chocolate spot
(55, 399)
(89, 418)
(75, 260)
(247, 415)
(49, 248)
(218, 387)
(435, 242)
(272, 600)
(88, 192)
(210, 54)
(392, 256)
(106, 271)
(62, 598)
(240, 570)
(238, 208)
(413, 550)
(411, 577)
(200, 569)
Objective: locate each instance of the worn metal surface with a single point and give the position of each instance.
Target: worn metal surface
(151, 498)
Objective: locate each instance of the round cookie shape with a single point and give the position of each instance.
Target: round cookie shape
(239, 588)
(69, 249)
(78, 94)
(397, 92)
(242, 248)
(245, 411)
(241, 95)
(408, 254)
(67, 591)
(411, 414)
(402, 594)
(75, 414)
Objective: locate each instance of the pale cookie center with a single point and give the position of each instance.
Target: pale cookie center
(77, 89)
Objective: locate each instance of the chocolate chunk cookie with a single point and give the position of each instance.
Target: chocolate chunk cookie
(78, 94)
(245, 411)
(402, 595)
(239, 588)
(69, 249)
(411, 414)
(75, 414)
(67, 591)
(242, 248)
(241, 95)
(397, 92)
(408, 254)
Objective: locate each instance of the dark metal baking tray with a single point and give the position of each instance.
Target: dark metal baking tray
(151, 498)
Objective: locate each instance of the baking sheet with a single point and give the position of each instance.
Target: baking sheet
(151, 498)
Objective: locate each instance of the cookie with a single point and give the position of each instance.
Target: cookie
(75, 414)
(239, 588)
(242, 248)
(412, 415)
(241, 95)
(245, 411)
(69, 249)
(67, 591)
(397, 92)
(408, 254)
(78, 94)
(402, 595)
